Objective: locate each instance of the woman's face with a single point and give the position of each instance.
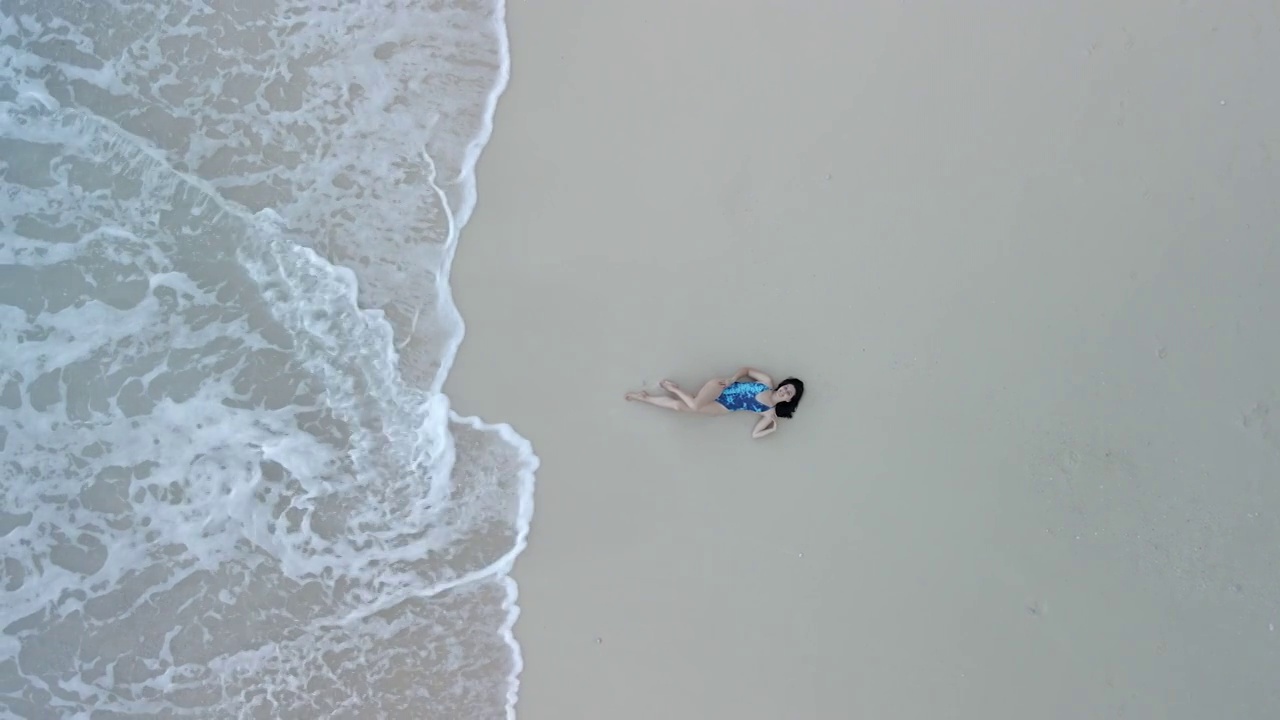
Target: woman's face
(784, 393)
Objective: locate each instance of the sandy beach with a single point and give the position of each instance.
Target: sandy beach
(1024, 259)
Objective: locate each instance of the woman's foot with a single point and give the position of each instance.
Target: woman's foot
(640, 396)
(670, 387)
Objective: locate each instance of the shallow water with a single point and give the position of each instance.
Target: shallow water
(231, 484)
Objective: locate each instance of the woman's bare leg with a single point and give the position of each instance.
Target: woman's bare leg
(662, 402)
(706, 398)
(683, 396)
(704, 402)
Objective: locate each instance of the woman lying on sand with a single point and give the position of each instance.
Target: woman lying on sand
(725, 395)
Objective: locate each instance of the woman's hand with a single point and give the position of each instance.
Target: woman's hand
(767, 424)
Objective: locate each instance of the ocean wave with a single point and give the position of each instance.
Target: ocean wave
(233, 487)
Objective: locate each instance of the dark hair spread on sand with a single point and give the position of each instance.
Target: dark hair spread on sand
(786, 409)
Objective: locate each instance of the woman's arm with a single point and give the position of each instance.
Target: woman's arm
(756, 375)
(767, 424)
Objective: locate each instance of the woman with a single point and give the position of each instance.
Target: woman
(722, 396)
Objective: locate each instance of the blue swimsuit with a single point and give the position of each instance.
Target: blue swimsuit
(742, 396)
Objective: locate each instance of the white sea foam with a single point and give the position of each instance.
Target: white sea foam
(231, 485)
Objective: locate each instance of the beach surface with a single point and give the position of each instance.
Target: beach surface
(1023, 255)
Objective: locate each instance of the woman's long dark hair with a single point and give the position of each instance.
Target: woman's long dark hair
(788, 408)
